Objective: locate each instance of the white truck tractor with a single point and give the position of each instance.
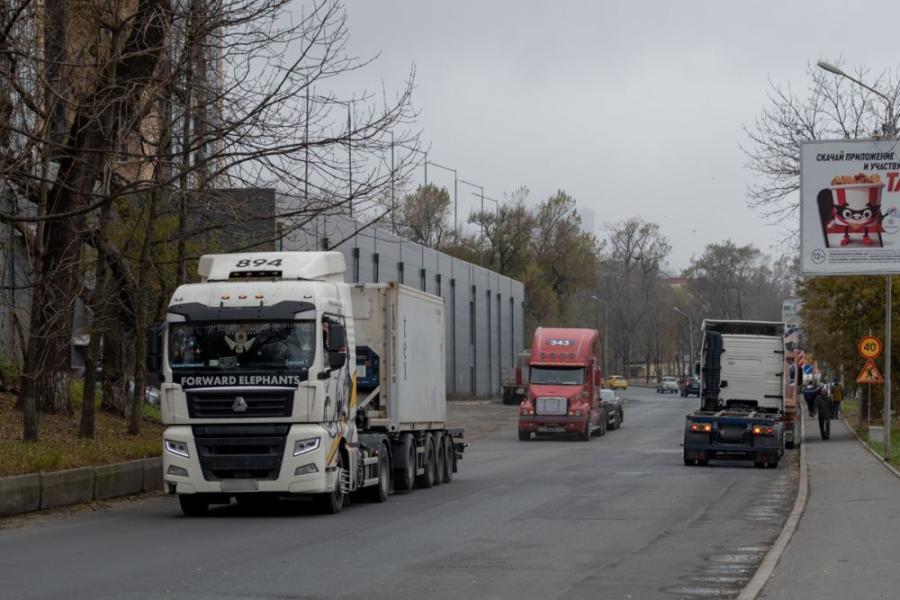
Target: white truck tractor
(278, 379)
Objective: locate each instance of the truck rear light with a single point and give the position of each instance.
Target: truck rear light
(763, 430)
(701, 427)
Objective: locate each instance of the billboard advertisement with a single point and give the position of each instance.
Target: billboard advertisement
(850, 207)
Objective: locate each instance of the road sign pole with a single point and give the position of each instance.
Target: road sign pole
(887, 369)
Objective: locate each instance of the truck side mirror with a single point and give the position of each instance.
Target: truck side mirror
(337, 337)
(336, 360)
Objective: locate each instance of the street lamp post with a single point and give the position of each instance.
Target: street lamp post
(455, 182)
(690, 319)
(889, 130)
(603, 346)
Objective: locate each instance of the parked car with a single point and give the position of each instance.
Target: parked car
(667, 385)
(616, 382)
(690, 386)
(614, 410)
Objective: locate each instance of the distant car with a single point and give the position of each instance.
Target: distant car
(617, 382)
(614, 411)
(690, 386)
(667, 385)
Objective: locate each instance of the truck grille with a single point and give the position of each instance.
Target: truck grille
(239, 405)
(550, 406)
(240, 451)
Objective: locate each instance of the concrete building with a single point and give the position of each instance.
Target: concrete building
(485, 310)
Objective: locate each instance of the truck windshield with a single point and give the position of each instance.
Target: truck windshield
(245, 345)
(557, 375)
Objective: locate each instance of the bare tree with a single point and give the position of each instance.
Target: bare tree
(831, 107)
(143, 110)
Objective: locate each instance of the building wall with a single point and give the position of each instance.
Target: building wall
(477, 349)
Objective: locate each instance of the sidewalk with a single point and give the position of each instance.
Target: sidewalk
(847, 544)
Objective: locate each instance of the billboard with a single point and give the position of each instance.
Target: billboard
(850, 207)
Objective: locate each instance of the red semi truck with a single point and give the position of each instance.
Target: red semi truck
(563, 385)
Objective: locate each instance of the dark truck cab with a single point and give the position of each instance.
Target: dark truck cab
(741, 393)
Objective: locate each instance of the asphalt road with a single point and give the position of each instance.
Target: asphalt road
(617, 517)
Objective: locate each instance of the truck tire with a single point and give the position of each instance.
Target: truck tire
(426, 479)
(379, 492)
(621, 418)
(331, 503)
(585, 436)
(438, 459)
(405, 477)
(524, 436)
(193, 505)
(449, 459)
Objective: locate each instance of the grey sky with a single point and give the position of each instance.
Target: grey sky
(634, 108)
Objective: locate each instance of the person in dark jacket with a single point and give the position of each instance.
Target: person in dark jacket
(825, 410)
(811, 392)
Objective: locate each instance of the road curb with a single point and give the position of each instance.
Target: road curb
(767, 566)
(21, 494)
(880, 458)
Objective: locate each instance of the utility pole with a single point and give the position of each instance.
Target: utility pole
(888, 131)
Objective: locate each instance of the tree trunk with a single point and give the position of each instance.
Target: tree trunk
(99, 303)
(115, 391)
(140, 347)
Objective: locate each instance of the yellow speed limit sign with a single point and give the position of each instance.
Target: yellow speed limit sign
(870, 347)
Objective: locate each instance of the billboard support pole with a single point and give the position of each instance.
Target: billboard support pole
(887, 369)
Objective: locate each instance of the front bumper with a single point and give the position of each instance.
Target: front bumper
(321, 479)
(553, 424)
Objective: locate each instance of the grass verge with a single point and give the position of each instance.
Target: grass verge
(850, 410)
(59, 446)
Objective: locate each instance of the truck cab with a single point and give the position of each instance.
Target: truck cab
(741, 392)
(563, 384)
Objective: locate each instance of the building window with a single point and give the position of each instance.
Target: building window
(437, 284)
(375, 267)
(490, 349)
(499, 332)
(356, 265)
(473, 347)
(400, 272)
(512, 330)
(453, 331)
(422, 280)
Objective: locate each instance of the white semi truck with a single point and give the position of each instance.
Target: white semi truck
(741, 394)
(278, 379)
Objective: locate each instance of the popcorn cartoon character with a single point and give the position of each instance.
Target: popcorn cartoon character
(855, 207)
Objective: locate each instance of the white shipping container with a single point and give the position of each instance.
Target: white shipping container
(405, 327)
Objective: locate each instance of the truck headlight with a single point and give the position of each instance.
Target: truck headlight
(178, 448)
(304, 446)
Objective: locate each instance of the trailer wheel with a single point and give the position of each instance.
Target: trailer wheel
(426, 479)
(380, 491)
(773, 464)
(405, 478)
(193, 505)
(449, 458)
(438, 459)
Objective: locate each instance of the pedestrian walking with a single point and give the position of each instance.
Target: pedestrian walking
(811, 392)
(837, 395)
(825, 411)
